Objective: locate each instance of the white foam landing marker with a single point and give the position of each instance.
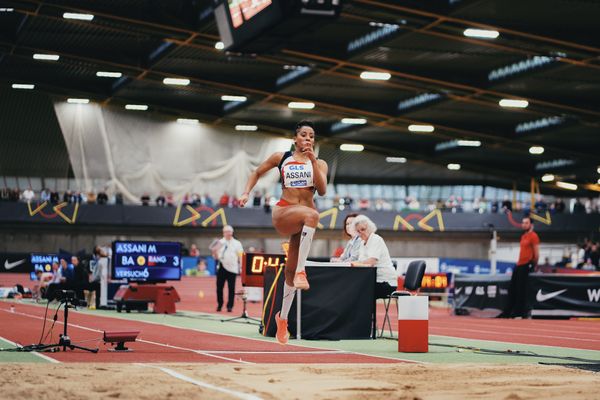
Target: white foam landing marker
(175, 374)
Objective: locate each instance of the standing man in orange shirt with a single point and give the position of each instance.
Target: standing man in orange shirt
(528, 259)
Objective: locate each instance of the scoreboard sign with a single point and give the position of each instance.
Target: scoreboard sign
(255, 264)
(146, 261)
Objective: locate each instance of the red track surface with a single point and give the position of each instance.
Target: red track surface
(159, 343)
(563, 333)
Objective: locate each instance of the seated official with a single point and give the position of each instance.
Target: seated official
(353, 246)
(374, 253)
(58, 279)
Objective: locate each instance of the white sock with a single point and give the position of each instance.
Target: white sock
(305, 241)
(288, 299)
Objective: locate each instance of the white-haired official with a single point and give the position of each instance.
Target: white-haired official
(373, 252)
(228, 253)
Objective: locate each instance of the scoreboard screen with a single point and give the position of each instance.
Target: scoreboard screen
(239, 21)
(141, 261)
(42, 262)
(255, 264)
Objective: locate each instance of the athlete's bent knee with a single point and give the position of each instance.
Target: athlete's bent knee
(311, 218)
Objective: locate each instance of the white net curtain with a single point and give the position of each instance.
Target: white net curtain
(140, 153)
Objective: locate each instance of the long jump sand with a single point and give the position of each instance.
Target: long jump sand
(315, 381)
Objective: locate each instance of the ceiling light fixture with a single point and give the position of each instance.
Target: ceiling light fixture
(536, 150)
(375, 76)
(250, 128)
(566, 185)
(453, 167)
(78, 16)
(219, 45)
(136, 107)
(421, 128)
(25, 86)
(513, 103)
(400, 160)
(468, 143)
(78, 101)
(233, 98)
(547, 178)
(354, 121)
(481, 33)
(352, 147)
(106, 74)
(188, 121)
(176, 81)
(301, 105)
(46, 57)
(5, 9)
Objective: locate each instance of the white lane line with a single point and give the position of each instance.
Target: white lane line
(277, 352)
(229, 335)
(499, 342)
(518, 334)
(45, 357)
(138, 340)
(175, 374)
(195, 351)
(495, 327)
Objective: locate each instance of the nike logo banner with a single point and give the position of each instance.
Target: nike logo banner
(541, 297)
(15, 262)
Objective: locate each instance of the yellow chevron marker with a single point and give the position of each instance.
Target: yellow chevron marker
(399, 220)
(334, 213)
(422, 223)
(37, 210)
(547, 220)
(195, 216)
(60, 206)
(220, 212)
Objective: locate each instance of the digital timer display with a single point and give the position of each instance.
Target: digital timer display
(255, 264)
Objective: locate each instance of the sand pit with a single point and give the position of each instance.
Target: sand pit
(315, 381)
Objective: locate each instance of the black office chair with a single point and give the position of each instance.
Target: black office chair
(412, 283)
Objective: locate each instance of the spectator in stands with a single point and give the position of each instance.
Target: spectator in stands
(45, 195)
(102, 197)
(28, 195)
(170, 200)
(506, 205)
(578, 207)
(495, 206)
(558, 207)
(118, 198)
(364, 204)
(224, 200)
(14, 195)
(352, 247)
(228, 253)
(257, 201)
(207, 200)
(145, 199)
(595, 255)
(91, 197)
(54, 197)
(4, 194)
(196, 200)
(540, 205)
(194, 252)
(529, 254)
(373, 252)
(58, 280)
(67, 196)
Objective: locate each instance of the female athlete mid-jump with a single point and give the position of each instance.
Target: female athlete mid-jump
(295, 215)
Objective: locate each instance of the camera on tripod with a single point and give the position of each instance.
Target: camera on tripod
(68, 296)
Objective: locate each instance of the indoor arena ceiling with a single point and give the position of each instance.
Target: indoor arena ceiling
(547, 53)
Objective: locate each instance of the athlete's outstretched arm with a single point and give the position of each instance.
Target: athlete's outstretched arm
(266, 165)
